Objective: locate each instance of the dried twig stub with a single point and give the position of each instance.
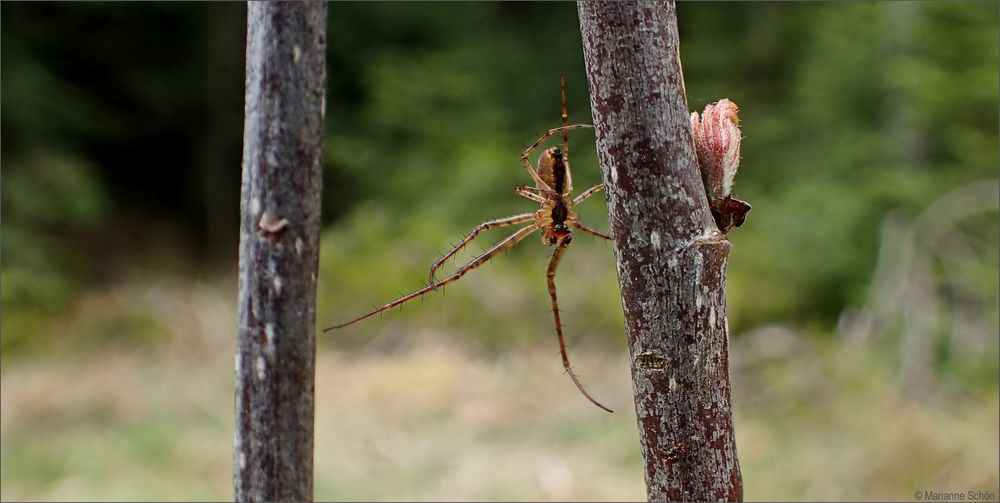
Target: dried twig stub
(271, 227)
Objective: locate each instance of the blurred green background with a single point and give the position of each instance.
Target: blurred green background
(863, 289)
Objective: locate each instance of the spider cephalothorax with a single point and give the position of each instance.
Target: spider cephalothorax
(557, 233)
(553, 191)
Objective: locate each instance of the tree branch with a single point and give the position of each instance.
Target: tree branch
(279, 245)
(671, 257)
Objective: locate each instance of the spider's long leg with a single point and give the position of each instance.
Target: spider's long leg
(565, 114)
(575, 219)
(533, 146)
(550, 132)
(587, 193)
(534, 193)
(551, 276)
(485, 226)
(565, 121)
(511, 240)
(588, 230)
(531, 171)
(569, 178)
(535, 190)
(527, 193)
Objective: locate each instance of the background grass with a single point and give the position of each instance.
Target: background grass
(437, 418)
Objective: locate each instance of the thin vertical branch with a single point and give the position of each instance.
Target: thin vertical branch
(671, 256)
(279, 249)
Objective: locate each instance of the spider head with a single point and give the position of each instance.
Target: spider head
(558, 233)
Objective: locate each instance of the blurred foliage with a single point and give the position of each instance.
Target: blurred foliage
(849, 111)
(126, 145)
(120, 150)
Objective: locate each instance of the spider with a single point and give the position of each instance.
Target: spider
(553, 190)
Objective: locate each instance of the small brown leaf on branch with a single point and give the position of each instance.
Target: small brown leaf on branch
(731, 213)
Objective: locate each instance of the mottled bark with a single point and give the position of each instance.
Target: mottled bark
(671, 256)
(279, 245)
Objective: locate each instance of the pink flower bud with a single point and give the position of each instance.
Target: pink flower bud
(717, 143)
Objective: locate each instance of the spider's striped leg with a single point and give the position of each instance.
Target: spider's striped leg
(588, 230)
(485, 226)
(511, 240)
(550, 132)
(565, 113)
(565, 134)
(587, 193)
(534, 193)
(551, 276)
(575, 219)
(525, 193)
(569, 178)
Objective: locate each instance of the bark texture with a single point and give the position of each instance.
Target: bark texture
(279, 244)
(671, 257)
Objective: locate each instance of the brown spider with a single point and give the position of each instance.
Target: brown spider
(553, 189)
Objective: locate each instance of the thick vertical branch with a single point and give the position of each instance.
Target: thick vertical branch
(279, 244)
(671, 256)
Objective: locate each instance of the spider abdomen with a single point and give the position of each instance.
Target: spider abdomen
(552, 169)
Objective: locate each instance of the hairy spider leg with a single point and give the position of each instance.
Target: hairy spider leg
(485, 226)
(551, 276)
(575, 219)
(588, 230)
(507, 243)
(587, 193)
(565, 122)
(534, 193)
(530, 193)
